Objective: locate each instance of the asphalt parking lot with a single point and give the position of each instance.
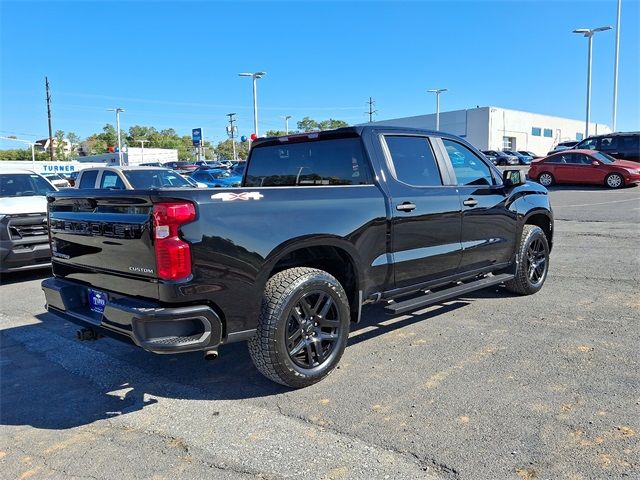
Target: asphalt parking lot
(487, 386)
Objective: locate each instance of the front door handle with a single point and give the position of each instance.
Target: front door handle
(470, 202)
(406, 206)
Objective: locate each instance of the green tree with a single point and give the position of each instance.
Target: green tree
(332, 124)
(224, 150)
(16, 154)
(60, 144)
(276, 133)
(308, 125)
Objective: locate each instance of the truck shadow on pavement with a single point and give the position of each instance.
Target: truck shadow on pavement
(24, 276)
(50, 380)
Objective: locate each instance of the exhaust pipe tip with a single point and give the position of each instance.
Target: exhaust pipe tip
(87, 334)
(211, 355)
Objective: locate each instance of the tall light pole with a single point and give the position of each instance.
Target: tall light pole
(255, 76)
(437, 91)
(142, 142)
(589, 33)
(615, 70)
(33, 151)
(118, 112)
(286, 123)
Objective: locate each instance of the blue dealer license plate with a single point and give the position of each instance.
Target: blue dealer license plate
(97, 300)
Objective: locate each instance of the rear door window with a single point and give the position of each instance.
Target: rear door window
(339, 161)
(413, 160)
(88, 179)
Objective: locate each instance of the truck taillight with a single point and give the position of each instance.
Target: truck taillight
(173, 255)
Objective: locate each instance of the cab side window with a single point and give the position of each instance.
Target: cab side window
(88, 179)
(111, 180)
(468, 167)
(413, 160)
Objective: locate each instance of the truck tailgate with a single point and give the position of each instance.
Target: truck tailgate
(100, 232)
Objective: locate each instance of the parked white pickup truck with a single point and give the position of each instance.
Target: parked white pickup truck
(24, 235)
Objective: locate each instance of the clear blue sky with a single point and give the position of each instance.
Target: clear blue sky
(175, 64)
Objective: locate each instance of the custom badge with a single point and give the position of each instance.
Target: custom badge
(231, 196)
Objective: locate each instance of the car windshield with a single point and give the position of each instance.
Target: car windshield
(23, 185)
(155, 179)
(603, 157)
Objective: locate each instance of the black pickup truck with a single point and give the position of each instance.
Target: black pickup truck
(323, 223)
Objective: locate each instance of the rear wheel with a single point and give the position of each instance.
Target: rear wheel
(303, 327)
(533, 262)
(614, 180)
(546, 179)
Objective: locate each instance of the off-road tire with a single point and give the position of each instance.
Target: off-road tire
(268, 347)
(522, 282)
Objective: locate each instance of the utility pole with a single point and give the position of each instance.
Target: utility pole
(286, 123)
(46, 84)
(142, 142)
(231, 132)
(371, 111)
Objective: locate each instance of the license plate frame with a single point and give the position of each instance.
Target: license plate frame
(97, 300)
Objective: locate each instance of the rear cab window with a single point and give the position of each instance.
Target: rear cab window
(413, 160)
(322, 162)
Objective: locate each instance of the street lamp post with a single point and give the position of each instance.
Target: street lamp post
(589, 32)
(255, 76)
(437, 91)
(615, 70)
(142, 142)
(286, 123)
(118, 112)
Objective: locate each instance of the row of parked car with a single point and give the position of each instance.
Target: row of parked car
(620, 145)
(612, 160)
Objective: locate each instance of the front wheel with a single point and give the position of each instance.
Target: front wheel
(614, 180)
(303, 327)
(533, 262)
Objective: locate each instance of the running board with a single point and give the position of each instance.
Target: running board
(439, 296)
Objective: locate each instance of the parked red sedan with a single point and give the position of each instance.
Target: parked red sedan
(584, 166)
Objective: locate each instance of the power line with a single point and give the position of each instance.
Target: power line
(371, 111)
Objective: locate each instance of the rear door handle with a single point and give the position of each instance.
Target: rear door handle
(470, 202)
(406, 206)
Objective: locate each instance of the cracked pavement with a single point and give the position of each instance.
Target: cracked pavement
(488, 386)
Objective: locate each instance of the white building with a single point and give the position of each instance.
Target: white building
(134, 156)
(494, 128)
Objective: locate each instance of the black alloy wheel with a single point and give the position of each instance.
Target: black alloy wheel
(536, 262)
(532, 262)
(303, 327)
(312, 329)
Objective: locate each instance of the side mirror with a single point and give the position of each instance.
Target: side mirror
(595, 163)
(512, 178)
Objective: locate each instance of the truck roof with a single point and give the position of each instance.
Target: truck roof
(344, 132)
